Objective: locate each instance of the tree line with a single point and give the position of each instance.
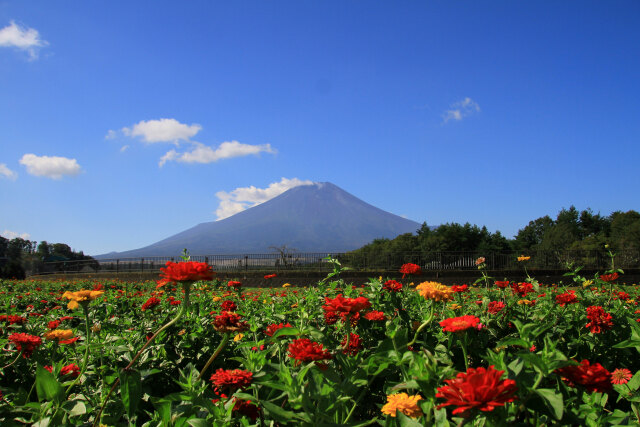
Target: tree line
(571, 230)
(19, 256)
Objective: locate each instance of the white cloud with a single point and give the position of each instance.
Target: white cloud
(27, 39)
(111, 134)
(204, 154)
(124, 148)
(246, 197)
(50, 167)
(7, 173)
(163, 130)
(8, 234)
(461, 109)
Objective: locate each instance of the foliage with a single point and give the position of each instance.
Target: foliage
(358, 349)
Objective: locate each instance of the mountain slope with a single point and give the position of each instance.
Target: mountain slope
(310, 218)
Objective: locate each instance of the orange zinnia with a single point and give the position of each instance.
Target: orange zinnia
(82, 296)
(404, 403)
(435, 291)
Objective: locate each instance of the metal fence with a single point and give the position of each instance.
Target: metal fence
(378, 261)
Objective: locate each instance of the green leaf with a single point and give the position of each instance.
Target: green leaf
(198, 422)
(405, 421)
(285, 331)
(47, 386)
(130, 390)
(634, 382)
(534, 360)
(553, 400)
(75, 408)
(277, 412)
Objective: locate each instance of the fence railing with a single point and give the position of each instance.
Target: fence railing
(380, 261)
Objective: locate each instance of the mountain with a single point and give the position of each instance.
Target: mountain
(310, 218)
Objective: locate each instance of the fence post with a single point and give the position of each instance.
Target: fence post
(141, 265)
(246, 262)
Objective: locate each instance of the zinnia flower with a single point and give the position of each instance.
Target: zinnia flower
(609, 277)
(621, 376)
(502, 283)
(435, 291)
(272, 328)
(478, 388)
(71, 369)
(234, 284)
(392, 286)
(480, 261)
(523, 258)
(459, 324)
(25, 343)
(521, 289)
(270, 276)
(189, 271)
(592, 377)
(460, 289)
(303, 350)
(375, 316)
(566, 298)
(598, 319)
(228, 305)
(355, 344)
(404, 403)
(83, 297)
(495, 307)
(350, 306)
(151, 303)
(231, 380)
(246, 408)
(59, 334)
(410, 269)
(229, 322)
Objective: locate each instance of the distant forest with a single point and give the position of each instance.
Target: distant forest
(18, 256)
(571, 230)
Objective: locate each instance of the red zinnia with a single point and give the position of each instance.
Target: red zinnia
(69, 341)
(271, 329)
(478, 388)
(459, 324)
(304, 350)
(189, 271)
(566, 298)
(71, 369)
(355, 344)
(375, 316)
(392, 286)
(599, 319)
(463, 288)
(270, 276)
(495, 307)
(228, 305)
(609, 277)
(410, 269)
(246, 408)
(151, 303)
(25, 343)
(234, 284)
(621, 376)
(502, 283)
(229, 322)
(350, 306)
(230, 380)
(592, 377)
(521, 289)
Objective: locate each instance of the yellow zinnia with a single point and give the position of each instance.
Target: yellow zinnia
(587, 283)
(455, 306)
(404, 403)
(524, 258)
(435, 291)
(82, 296)
(286, 285)
(59, 334)
(526, 302)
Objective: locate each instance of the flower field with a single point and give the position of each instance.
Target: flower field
(190, 350)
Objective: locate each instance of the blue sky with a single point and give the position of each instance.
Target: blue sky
(122, 123)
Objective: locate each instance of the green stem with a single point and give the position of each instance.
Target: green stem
(181, 312)
(463, 344)
(223, 343)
